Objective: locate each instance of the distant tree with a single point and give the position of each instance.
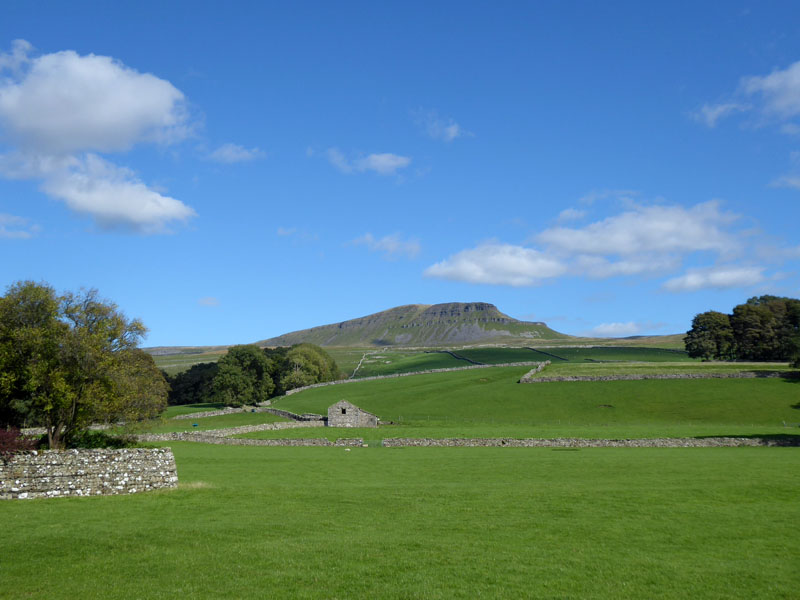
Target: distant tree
(308, 364)
(763, 328)
(243, 377)
(711, 337)
(67, 361)
(194, 385)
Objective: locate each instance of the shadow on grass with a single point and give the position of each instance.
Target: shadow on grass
(766, 439)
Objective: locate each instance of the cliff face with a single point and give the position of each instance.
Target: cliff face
(423, 325)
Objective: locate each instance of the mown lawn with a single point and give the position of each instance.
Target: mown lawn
(423, 523)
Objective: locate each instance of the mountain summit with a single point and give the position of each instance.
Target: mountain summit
(423, 325)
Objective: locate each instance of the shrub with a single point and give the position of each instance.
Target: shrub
(13, 442)
(100, 439)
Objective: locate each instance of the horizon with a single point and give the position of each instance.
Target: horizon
(611, 171)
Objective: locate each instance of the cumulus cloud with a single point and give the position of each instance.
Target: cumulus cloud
(16, 228)
(439, 128)
(646, 241)
(498, 264)
(59, 110)
(722, 277)
(382, 164)
(234, 153)
(114, 197)
(648, 229)
(392, 246)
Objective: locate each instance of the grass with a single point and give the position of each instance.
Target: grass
(490, 403)
(185, 409)
(177, 363)
(391, 362)
(220, 422)
(561, 369)
(423, 523)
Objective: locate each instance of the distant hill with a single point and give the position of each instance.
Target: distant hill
(424, 325)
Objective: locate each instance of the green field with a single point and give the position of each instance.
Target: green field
(219, 422)
(490, 403)
(444, 523)
(176, 363)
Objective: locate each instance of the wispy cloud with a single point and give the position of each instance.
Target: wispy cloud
(391, 246)
(439, 128)
(17, 228)
(711, 113)
(382, 164)
(720, 277)
(208, 301)
(234, 153)
(59, 110)
(614, 329)
(570, 214)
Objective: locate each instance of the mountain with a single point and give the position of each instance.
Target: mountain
(423, 325)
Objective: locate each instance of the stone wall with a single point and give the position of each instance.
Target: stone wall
(639, 377)
(221, 412)
(587, 443)
(533, 372)
(60, 473)
(223, 441)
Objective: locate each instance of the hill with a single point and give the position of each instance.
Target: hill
(423, 325)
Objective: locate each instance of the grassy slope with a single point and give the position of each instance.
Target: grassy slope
(423, 523)
(219, 422)
(176, 363)
(490, 403)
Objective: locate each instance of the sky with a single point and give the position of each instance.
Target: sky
(229, 173)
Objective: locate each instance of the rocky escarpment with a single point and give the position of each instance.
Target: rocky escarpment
(420, 324)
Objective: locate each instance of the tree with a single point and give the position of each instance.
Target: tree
(308, 364)
(711, 336)
(243, 376)
(67, 361)
(193, 385)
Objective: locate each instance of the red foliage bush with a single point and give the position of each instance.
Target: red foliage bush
(13, 442)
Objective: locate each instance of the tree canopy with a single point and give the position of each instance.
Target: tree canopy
(67, 361)
(763, 328)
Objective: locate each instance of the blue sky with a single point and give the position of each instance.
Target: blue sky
(231, 173)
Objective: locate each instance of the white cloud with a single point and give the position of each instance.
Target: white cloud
(647, 229)
(392, 246)
(711, 113)
(16, 228)
(64, 103)
(787, 181)
(208, 301)
(571, 214)
(382, 164)
(114, 197)
(614, 329)
(59, 109)
(234, 153)
(498, 264)
(439, 128)
(716, 278)
(286, 231)
(779, 91)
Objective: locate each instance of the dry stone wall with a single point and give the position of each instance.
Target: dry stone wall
(531, 376)
(587, 443)
(223, 441)
(61, 473)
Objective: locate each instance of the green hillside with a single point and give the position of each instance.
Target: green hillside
(423, 325)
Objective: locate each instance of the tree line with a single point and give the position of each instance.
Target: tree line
(765, 328)
(70, 360)
(248, 375)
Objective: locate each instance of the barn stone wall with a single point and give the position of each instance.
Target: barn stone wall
(59, 473)
(344, 414)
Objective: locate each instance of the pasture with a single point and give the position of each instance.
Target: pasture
(423, 523)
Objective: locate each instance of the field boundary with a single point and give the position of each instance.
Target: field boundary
(709, 442)
(531, 378)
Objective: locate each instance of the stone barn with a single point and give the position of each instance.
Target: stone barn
(344, 414)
